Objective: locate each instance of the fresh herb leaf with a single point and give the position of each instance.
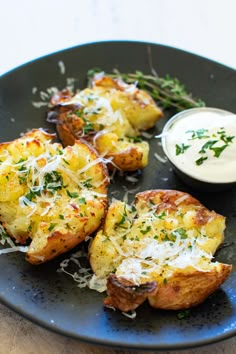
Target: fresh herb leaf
(198, 134)
(82, 201)
(52, 181)
(145, 231)
(72, 194)
(162, 215)
(201, 160)
(218, 150)
(87, 183)
(181, 232)
(22, 179)
(180, 149)
(66, 162)
(135, 139)
(32, 194)
(207, 145)
(169, 92)
(183, 314)
(51, 227)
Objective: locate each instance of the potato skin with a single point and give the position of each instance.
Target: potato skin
(183, 291)
(61, 198)
(145, 253)
(111, 127)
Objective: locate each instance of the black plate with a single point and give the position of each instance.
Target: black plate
(52, 299)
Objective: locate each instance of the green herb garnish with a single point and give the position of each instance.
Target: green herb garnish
(145, 231)
(52, 181)
(209, 146)
(218, 150)
(32, 194)
(162, 215)
(82, 201)
(87, 183)
(198, 134)
(167, 91)
(180, 149)
(180, 232)
(72, 194)
(183, 314)
(51, 227)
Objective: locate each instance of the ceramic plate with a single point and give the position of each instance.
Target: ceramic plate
(52, 299)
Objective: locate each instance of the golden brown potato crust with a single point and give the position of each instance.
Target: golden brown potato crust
(126, 296)
(166, 238)
(53, 196)
(183, 291)
(110, 116)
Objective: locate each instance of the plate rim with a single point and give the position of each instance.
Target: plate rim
(121, 41)
(92, 340)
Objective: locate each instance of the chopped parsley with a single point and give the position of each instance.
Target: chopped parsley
(51, 227)
(180, 149)
(198, 134)
(183, 314)
(66, 162)
(52, 181)
(135, 139)
(22, 179)
(145, 231)
(207, 145)
(201, 160)
(220, 138)
(122, 220)
(82, 200)
(87, 183)
(162, 215)
(33, 194)
(88, 126)
(72, 194)
(180, 232)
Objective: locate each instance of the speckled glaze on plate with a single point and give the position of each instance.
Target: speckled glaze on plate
(52, 299)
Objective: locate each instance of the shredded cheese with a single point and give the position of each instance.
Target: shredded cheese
(14, 249)
(46, 188)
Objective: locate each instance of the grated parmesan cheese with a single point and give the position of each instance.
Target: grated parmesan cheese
(62, 67)
(160, 158)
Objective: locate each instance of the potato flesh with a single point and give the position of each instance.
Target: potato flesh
(111, 116)
(162, 241)
(51, 191)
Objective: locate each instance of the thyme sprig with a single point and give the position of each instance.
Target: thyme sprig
(167, 91)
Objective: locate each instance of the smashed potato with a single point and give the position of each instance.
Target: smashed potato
(110, 116)
(160, 249)
(52, 196)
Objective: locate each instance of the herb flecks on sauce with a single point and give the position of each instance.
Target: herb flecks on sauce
(209, 143)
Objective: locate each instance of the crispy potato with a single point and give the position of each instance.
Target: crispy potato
(110, 116)
(161, 247)
(53, 196)
(184, 290)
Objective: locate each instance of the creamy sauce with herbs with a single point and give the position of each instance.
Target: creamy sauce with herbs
(203, 145)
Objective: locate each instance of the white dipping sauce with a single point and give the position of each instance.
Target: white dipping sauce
(202, 143)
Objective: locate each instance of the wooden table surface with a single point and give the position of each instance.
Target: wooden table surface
(30, 29)
(19, 336)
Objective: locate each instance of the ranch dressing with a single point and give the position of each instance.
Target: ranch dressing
(202, 143)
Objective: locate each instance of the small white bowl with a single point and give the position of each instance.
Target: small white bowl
(192, 141)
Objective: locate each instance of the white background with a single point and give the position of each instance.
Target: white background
(30, 29)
